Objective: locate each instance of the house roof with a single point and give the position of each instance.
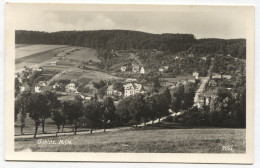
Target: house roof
(135, 86)
(110, 88)
(212, 82)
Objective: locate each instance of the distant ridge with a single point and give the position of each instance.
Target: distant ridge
(127, 39)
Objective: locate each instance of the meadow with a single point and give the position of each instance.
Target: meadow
(144, 140)
(78, 74)
(83, 54)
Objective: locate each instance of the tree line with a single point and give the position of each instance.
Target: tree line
(109, 39)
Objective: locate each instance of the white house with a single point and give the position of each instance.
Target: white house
(161, 69)
(142, 71)
(130, 80)
(227, 76)
(133, 88)
(53, 62)
(71, 87)
(113, 92)
(166, 67)
(195, 74)
(123, 68)
(56, 85)
(37, 88)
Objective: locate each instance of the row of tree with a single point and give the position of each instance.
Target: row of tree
(93, 114)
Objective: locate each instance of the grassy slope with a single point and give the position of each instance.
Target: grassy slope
(159, 140)
(84, 54)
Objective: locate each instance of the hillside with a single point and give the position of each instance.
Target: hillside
(126, 39)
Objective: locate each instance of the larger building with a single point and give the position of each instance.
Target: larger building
(133, 88)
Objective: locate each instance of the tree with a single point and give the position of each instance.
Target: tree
(74, 112)
(52, 105)
(109, 113)
(37, 105)
(17, 86)
(183, 97)
(93, 112)
(151, 106)
(59, 118)
(21, 106)
(161, 105)
(137, 107)
(102, 92)
(122, 110)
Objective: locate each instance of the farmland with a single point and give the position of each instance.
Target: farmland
(145, 140)
(39, 59)
(23, 50)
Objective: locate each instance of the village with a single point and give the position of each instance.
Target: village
(68, 87)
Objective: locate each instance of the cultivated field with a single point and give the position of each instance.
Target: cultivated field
(145, 140)
(24, 50)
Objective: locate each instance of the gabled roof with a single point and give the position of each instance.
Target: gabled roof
(135, 86)
(110, 88)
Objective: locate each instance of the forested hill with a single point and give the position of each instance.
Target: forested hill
(126, 39)
(112, 39)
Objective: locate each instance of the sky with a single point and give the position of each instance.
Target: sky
(216, 24)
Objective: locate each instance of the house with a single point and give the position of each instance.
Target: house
(196, 74)
(216, 76)
(71, 87)
(113, 92)
(133, 88)
(53, 62)
(130, 80)
(25, 87)
(205, 99)
(90, 62)
(227, 76)
(37, 88)
(123, 68)
(166, 67)
(39, 69)
(135, 67)
(212, 83)
(204, 58)
(176, 58)
(110, 90)
(42, 83)
(56, 85)
(142, 71)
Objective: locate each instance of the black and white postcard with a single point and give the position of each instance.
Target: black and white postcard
(129, 83)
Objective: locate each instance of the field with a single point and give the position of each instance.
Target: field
(144, 141)
(84, 54)
(89, 74)
(39, 59)
(24, 50)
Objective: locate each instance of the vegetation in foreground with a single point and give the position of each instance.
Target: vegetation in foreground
(140, 140)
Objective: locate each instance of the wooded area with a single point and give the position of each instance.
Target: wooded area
(126, 39)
